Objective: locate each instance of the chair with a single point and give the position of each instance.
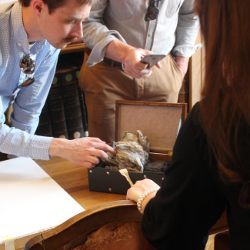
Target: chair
(113, 225)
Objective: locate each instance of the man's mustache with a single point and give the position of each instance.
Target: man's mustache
(71, 39)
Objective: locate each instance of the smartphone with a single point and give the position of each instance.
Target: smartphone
(152, 59)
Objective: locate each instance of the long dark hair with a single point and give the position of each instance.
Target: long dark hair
(225, 108)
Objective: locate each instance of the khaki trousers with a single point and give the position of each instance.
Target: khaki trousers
(103, 85)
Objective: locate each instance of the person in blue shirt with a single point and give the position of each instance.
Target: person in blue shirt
(32, 32)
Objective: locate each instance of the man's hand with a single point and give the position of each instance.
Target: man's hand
(130, 57)
(182, 64)
(86, 152)
(132, 64)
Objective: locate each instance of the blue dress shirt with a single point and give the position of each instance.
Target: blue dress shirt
(19, 139)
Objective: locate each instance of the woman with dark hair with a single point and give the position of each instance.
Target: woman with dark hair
(210, 171)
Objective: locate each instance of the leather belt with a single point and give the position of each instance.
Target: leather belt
(112, 63)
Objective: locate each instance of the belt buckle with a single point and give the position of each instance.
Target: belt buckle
(112, 63)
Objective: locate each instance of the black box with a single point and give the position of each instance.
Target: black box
(160, 122)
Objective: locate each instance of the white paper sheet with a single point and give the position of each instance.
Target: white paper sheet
(30, 200)
(7, 1)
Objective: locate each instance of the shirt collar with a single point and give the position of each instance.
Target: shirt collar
(19, 32)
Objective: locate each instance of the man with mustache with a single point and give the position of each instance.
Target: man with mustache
(32, 32)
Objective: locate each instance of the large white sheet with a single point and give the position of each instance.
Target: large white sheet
(30, 200)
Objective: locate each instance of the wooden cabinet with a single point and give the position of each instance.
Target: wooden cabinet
(64, 114)
(196, 75)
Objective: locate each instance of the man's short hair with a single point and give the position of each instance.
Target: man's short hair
(54, 4)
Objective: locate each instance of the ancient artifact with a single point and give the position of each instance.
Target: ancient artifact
(131, 152)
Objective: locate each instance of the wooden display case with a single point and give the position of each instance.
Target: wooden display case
(160, 122)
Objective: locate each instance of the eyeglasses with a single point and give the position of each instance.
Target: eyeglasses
(152, 10)
(27, 66)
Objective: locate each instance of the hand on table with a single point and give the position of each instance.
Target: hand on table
(86, 151)
(140, 187)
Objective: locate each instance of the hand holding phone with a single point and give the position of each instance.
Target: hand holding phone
(152, 59)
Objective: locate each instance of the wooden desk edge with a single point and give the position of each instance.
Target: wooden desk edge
(75, 47)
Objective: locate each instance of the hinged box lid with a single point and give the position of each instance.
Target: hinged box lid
(159, 121)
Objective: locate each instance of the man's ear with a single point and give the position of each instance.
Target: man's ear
(37, 6)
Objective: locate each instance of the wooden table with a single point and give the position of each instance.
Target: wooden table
(74, 179)
(30, 200)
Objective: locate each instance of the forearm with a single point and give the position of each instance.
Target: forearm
(58, 147)
(97, 36)
(118, 50)
(20, 143)
(99, 45)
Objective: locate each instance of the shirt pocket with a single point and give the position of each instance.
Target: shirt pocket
(173, 7)
(122, 9)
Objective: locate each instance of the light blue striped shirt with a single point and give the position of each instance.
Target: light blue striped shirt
(175, 30)
(19, 139)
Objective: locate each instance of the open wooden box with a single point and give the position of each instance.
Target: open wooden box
(160, 122)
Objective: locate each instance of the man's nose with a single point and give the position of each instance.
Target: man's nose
(77, 32)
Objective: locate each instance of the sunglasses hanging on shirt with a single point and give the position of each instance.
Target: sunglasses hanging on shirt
(27, 66)
(152, 10)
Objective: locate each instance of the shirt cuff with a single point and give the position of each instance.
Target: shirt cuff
(40, 147)
(99, 50)
(186, 51)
